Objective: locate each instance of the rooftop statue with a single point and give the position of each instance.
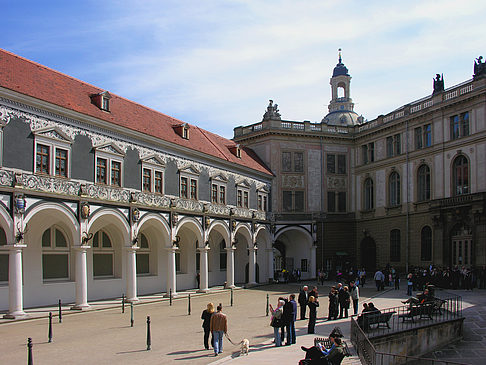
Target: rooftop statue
(438, 83)
(479, 68)
(272, 112)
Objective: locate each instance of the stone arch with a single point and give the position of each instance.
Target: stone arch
(218, 236)
(157, 222)
(191, 237)
(243, 239)
(113, 217)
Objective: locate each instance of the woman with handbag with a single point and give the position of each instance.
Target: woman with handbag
(277, 321)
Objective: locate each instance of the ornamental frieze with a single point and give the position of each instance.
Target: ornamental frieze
(336, 182)
(6, 178)
(49, 184)
(293, 181)
(37, 123)
(153, 200)
(107, 193)
(242, 213)
(259, 215)
(189, 205)
(218, 209)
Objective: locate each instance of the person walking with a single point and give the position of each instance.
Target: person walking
(206, 317)
(218, 326)
(288, 319)
(303, 300)
(292, 323)
(313, 304)
(409, 284)
(277, 321)
(354, 292)
(333, 304)
(379, 278)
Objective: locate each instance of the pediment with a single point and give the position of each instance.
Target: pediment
(219, 177)
(189, 170)
(154, 160)
(53, 133)
(110, 148)
(243, 183)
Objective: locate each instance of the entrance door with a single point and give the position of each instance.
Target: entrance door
(461, 250)
(368, 254)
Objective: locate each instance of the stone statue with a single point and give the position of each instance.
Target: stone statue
(272, 112)
(479, 68)
(438, 84)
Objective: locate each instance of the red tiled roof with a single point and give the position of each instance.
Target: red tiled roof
(40, 82)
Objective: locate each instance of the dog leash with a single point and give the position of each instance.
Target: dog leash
(229, 339)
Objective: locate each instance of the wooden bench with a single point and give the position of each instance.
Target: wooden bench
(424, 310)
(326, 342)
(367, 319)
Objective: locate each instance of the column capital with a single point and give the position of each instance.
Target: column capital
(230, 249)
(203, 249)
(81, 248)
(15, 246)
(172, 249)
(132, 248)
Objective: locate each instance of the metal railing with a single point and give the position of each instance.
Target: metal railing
(444, 308)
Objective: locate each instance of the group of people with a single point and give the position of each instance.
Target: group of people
(321, 355)
(340, 298)
(216, 324)
(283, 320)
(448, 277)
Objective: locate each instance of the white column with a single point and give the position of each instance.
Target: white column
(230, 267)
(312, 262)
(15, 294)
(81, 278)
(270, 269)
(203, 265)
(171, 272)
(132, 274)
(252, 266)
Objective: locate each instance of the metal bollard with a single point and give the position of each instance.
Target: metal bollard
(49, 335)
(149, 339)
(60, 311)
(268, 304)
(231, 296)
(189, 305)
(131, 314)
(123, 303)
(170, 296)
(30, 359)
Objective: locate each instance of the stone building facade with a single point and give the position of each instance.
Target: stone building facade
(407, 188)
(100, 196)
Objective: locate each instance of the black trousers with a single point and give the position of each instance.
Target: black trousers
(302, 311)
(206, 338)
(313, 353)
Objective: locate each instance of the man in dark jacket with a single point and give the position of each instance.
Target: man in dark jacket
(289, 319)
(303, 300)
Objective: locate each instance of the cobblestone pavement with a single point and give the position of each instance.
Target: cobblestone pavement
(105, 336)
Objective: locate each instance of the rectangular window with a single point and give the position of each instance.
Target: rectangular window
(184, 187)
(143, 260)
(341, 169)
(455, 127)
(101, 175)
(342, 201)
(418, 138)
(364, 154)
(299, 201)
(239, 199)
(459, 125)
(245, 199)
(214, 193)
(115, 173)
(193, 189)
(61, 162)
(102, 264)
(158, 182)
(222, 195)
(287, 201)
(371, 151)
(260, 202)
(303, 265)
(464, 124)
(147, 180)
(331, 164)
(3, 267)
(265, 203)
(42, 159)
(389, 146)
(397, 144)
(222, 260)
(331, 201)
(105, 104)
(286, 161)
(427, 135)
(298, 162)
(55, 266)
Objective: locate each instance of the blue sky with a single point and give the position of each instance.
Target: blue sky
(215, 63)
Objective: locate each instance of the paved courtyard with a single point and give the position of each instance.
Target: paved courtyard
(105, 336)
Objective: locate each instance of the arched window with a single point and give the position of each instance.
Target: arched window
(55, 255)
(426, 244)
(394, 189)
(368, 194)
(423, 183)
(395, 245)
(3, 257)
(103, 255)
(143, 256)
(222, 255)
(460, 173)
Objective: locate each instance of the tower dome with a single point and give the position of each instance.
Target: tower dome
(341, 106)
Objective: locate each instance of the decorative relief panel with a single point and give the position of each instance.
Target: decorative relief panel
(258, 214)
(107, 193)
(153, 200)
(336, 182)
(49, 184)
(218, 209)
(190, 205)
(293, 181)
(6, 178)
(242, 212)
(36, 123)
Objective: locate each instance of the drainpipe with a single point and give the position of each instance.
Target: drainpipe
(322, 202)
(408, 200)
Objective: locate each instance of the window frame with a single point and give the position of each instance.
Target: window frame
(293, 200)
(394, 189)
(395, 245)
(154, 166)
(102, 250)
(368, 194)
(368, 153)
(262, 196)
(293, 162)
(54, 249)
(463, 188)
(426, 244)
(111, 154)
(242, 191)
(460, 125)
(191, 175)
(424, 191)
(144, 251)
(54, 140)
(218, 190)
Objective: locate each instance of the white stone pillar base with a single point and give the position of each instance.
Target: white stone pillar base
(81, 279)
(132, 275)
(15, 284)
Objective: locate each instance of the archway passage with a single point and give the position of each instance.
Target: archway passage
(368, 254)
(295, 252)
(257, 273)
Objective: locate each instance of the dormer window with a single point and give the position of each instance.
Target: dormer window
(182, 130)
(102, 100)
(235, 150)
